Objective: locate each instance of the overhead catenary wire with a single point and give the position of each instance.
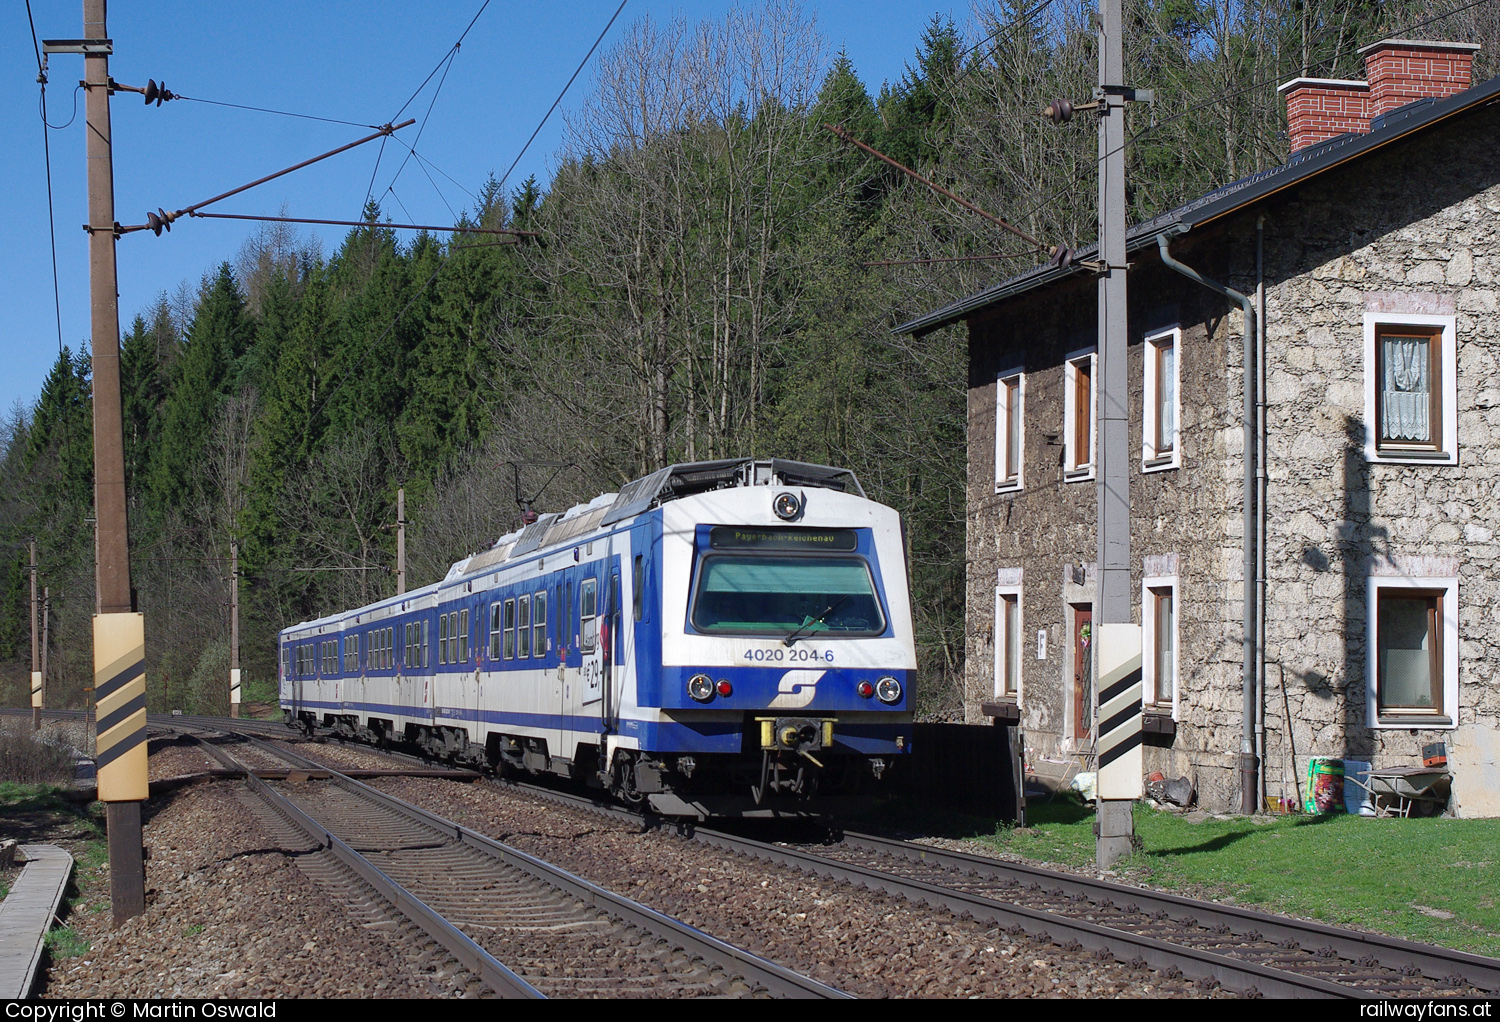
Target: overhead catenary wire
(364, 223)
(564, 92)
(445, 60)
(269, 110)
(41, 77)
(433, 276)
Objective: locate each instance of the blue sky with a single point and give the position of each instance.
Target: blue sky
(352, 61)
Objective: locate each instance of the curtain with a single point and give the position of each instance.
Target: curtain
(1406, 398)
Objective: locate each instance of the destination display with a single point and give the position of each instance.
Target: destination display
(739, 537)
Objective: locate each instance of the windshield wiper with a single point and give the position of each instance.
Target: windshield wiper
(817, 620)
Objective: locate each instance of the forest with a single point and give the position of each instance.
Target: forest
(716, 275)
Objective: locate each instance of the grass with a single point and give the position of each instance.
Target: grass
(38, 812)
(64, 942)
(1399, 877)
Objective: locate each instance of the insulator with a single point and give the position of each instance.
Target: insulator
(159, 93)
(158, 220)
(1061, 256)
(1059, 111)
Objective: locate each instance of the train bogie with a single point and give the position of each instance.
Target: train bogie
(719, 638)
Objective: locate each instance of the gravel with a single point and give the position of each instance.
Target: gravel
(227, 916)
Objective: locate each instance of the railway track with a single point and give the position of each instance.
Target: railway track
(1251, 952)
(561, 935)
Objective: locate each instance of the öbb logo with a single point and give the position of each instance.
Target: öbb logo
(796, 690)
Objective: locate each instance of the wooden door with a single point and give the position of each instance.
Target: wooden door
(1083, 670)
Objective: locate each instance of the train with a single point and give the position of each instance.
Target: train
(724, 638)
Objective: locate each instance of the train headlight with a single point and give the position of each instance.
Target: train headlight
(787, 506)
(888, 689)
(865, 690)
(701, 687)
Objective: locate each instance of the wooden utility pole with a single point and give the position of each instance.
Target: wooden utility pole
(1117, 711)
(400, 540)
(119, 632)
(36, 653)
(234, 628)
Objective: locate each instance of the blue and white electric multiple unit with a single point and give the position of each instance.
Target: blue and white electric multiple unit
(720, 638)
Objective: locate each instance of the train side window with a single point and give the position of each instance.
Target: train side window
(638, 586)
(495, 630)
(508, 629)
(390, 647)
(539, 625)
(463, 636)
(588, 613)
(423, 635)
(442, 638)
(523, 627)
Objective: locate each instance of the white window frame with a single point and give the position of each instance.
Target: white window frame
(1449, 454)
(1151, 460)
(1449, 586)
(1004, 484)
(1148, 641)
(1000, 641)
(1076, 470)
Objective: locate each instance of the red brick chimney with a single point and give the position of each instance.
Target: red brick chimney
(1400, 71)
(1317, 109)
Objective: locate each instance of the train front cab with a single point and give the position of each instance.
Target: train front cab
(783, 681)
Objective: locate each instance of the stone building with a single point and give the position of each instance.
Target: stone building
(1373, 259)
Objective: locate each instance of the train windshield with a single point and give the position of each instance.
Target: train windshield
(750, 594)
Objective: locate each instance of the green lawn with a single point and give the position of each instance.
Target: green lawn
(1376, 874)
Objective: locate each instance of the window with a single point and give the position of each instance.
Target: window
(1411, 392)
(523, 627)
(1078, 417)
(1159, 644)
(1010, 411)
(508, 629)
(539, 625)
(588, 613)
(463, 636)
(1412, 666)
(495, 631)
(442, 638)
(1163, 406)
(762, 594)
(1008, 641)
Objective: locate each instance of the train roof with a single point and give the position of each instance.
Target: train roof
(641, 495)
(635, 498)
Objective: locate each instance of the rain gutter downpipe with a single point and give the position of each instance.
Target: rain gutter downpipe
(1248, 765)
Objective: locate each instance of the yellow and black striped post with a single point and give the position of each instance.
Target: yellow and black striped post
(120, 706)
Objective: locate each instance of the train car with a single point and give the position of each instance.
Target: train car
(718, 638)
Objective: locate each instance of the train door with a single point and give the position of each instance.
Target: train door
(584, 684)
(612, 653)
(471, 692)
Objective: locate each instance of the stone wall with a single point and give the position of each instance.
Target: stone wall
(1413, 226)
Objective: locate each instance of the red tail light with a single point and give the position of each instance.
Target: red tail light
(725, 689)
